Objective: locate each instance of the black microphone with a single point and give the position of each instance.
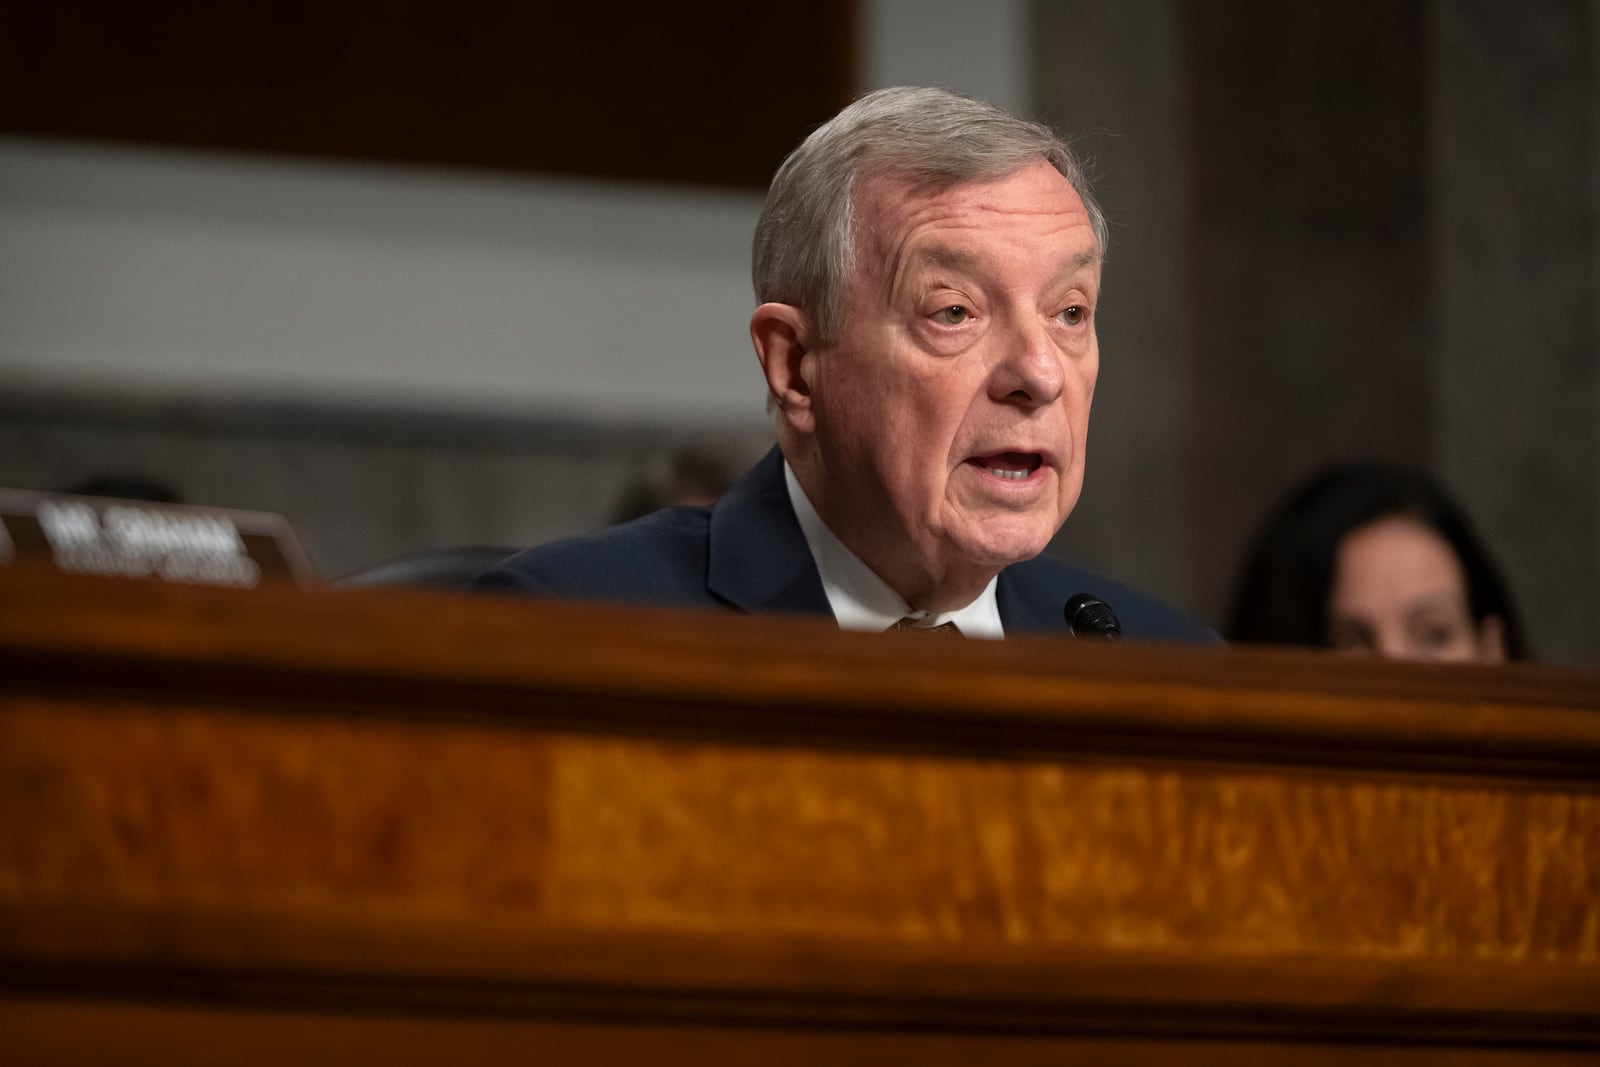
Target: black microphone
(1089, 616)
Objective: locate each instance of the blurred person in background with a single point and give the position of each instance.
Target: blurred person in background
(687, 476)
(1365, 557)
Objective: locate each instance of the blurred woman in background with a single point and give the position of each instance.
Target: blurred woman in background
(1371, 558)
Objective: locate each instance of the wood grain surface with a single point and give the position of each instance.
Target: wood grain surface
(191, 807)
(567, 819)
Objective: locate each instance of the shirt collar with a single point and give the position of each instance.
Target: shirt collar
(863, 601)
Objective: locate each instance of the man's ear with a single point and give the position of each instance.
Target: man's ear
(782, 335)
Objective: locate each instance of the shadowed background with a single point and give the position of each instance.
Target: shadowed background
(413, 279)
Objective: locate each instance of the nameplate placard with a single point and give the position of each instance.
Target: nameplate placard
(139, 539)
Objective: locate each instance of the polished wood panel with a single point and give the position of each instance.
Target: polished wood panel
(182, 806)
(705, 93)
(168, 1036)
(222, 809)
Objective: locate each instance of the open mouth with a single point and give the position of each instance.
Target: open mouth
(1010, 466)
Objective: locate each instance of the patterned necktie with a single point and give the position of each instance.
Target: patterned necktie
(909, 625)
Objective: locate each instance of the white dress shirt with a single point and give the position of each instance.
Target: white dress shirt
(863, 601)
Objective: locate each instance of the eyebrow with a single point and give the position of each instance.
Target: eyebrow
(941, 256)
(948, 258)
(1082, 260)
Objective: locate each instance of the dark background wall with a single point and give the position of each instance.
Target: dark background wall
(1364, 230)
(633, 91)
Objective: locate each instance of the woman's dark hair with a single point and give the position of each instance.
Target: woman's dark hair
(1283, 590)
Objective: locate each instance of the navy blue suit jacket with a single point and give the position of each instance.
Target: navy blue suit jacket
(747, 553)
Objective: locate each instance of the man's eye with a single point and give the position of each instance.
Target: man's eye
(1074, 315)
(954, 315)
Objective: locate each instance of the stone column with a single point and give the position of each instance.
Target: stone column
(1514, 191)
(1110, 76)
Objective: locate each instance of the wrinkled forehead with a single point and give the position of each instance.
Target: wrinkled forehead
(892, 211)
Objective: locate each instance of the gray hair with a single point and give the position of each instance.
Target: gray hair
(805, 239)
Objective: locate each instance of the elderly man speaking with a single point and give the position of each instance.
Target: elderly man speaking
(928, 271)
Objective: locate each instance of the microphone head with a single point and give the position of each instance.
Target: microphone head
(1089, 616)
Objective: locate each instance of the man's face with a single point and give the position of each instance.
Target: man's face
(950, 416)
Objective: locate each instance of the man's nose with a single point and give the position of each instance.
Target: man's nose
(1031, 370)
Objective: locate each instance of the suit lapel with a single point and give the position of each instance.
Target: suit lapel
(759, 560)
(1029, 601)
